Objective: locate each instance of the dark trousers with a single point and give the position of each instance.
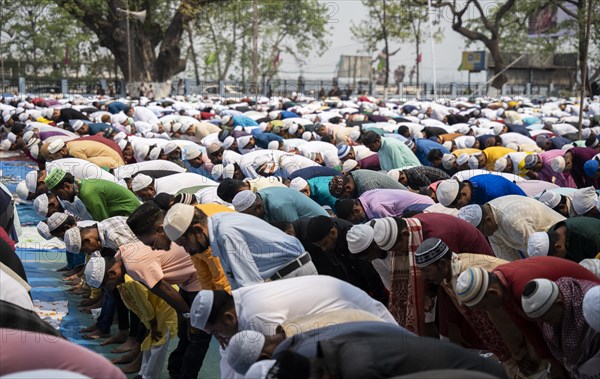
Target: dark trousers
(186, 360)
(127, 319)
(107, 314)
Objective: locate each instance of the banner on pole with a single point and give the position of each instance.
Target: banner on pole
(473, 61)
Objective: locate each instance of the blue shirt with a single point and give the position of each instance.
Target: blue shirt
(250, 249)
(116, 107)
(288, 114)
(424, 147)
(243, 121)
(488, 187)
(319, 190)
(98, 127)
(286, 204)
(263, 139)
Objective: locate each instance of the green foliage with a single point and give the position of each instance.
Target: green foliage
(225, 33)
(40, 32)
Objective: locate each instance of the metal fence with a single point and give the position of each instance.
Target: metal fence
(276, 87)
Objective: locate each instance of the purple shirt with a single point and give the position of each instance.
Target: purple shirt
(380, 203)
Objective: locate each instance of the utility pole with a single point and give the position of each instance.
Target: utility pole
(255, 45)
(128, 44)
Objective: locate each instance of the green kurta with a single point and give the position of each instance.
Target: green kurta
(395, 154)
(104, 199)
(583, 237)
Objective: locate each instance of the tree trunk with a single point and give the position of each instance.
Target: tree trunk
(417, 63)
(146, 64)
(499, 64)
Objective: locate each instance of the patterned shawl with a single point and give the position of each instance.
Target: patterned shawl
(565, 340)
(407, 287)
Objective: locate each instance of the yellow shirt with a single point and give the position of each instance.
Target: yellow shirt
(469, 151)
(147, 306)
(493, 154)
(208, 267)
(95, 152)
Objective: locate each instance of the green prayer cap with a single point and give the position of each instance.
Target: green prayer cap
(54, 177)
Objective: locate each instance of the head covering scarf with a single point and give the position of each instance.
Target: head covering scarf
(407, 290)
(565, 340)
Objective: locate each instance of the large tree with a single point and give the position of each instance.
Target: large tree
(154, 44)
(294, 27)
(490, 32)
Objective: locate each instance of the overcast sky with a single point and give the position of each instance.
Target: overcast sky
(323, 64)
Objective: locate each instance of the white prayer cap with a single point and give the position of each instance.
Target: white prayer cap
(40, 204)
(354, 135)
(119, 137)
(244, 350)
(213, 148)
(538, 297)
(5, 144)
(447, 145)
(448, 161)
(273, 145)
(73, 240)
(176, 127)
(43, 230)
(263, 126)
(27, 136)
(558, 164)
(23, 117)
(228, 171)
(591, 308)
(177, 220)
(592, 264)
(497, 129)
(56, 220)
(154, 153)
(447, 191)
(201, 307)
(119, 118)
(7, 117)
(298, 184)
(48, 112)
(584, 199)
(77, 125)
(243, 200)
(12, 137)
(501, 164)
(260, 370)
(192, 153)
(538, 244)
(185, 127)
(94, 271)
(550, 198)
(140, 181)
(122, 144)
(349, 165)
(225, 120)
(55, 146)
(472, 285)
(359, 238)
(385, 233)
(394, 174)
(227, 142)
(31, 180)
(307, 136)
(472, 213)
(513, 146)
(140, 152)
(462, 159)
(465, 129)
(273, 115)
(217, 172)
(293, 128)
(169, 147)
(473, 162)
(243, 141)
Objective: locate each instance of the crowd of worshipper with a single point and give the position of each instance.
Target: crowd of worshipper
(312, 238)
